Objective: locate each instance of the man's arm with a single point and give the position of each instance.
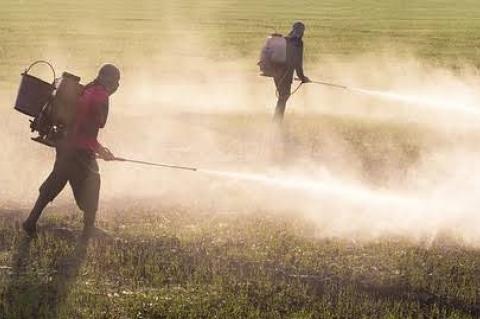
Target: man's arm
(104, 153)
(101, 115)
(299, 64)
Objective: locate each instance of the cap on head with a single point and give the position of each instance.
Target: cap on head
(109, 72)
(109, 76)
(298, 29)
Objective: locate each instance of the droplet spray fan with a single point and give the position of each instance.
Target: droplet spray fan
(408, 99)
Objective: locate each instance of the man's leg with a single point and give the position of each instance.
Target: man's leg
(283, 83)
(30, 224)
(280, 108)
(85, 184)
(87, 196)
(52, 186)
(89, 222)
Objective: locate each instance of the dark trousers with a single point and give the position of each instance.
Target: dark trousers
(283, 77)
(79, 168)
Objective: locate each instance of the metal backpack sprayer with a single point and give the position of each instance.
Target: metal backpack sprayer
(274, 52)
(52, 105)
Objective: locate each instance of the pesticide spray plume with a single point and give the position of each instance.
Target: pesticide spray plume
(331, 188)
(304, 184)
(186, 115)
(406, 99)
(352, 210)
(420, 101)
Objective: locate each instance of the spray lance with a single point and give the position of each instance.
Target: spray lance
(334, 85)
(121, 159)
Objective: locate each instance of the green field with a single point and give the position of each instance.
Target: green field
(439, 31)
(192, 256)
(176, 263)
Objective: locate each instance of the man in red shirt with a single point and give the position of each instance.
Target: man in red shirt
(76, 153)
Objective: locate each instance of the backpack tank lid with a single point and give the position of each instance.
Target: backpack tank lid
(65, 100)
(70, 76)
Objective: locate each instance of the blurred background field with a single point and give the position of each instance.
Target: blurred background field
(438, 31)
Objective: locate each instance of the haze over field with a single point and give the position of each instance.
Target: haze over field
(362, 204)
(190, 95)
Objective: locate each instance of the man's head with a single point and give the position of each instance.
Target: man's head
(298, 29)
(109, 77)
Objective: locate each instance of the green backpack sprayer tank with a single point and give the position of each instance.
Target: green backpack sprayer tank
(52, 105)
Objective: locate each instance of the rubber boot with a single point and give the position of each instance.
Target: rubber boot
(30, 224)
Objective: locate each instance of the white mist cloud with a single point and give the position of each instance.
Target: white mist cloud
(215, 114)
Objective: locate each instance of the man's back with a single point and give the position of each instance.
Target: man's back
(91, 115)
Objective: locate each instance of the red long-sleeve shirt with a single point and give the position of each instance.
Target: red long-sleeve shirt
(91, 115)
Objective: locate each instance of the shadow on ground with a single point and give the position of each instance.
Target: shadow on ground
(33, 291)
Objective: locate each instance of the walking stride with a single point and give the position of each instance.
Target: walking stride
(280, 58)
(76, 151)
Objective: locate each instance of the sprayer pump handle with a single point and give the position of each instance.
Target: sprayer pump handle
(44, 62)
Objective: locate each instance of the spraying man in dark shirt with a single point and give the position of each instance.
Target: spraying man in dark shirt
(283, 74)
(76, 154)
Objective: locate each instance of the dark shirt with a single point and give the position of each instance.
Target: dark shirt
(295, 56)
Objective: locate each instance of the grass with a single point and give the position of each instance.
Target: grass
(175, 263)
(184, 262)
(439, 32)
